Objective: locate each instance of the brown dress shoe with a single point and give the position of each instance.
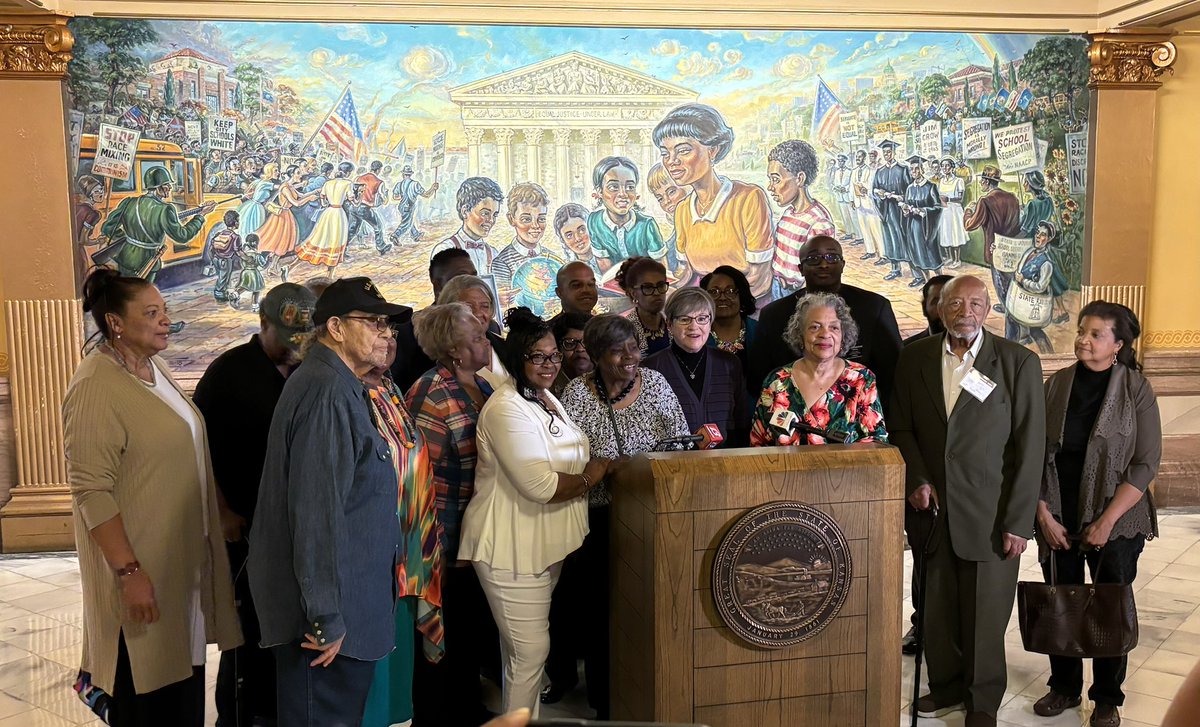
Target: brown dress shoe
(1105, 715)
(980, 719)
(1054, 704)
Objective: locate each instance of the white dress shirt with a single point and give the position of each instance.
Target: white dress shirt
(955, 370)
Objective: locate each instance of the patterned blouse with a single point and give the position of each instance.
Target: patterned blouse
(419, 571)
(650, 342)
(851, 406)
(653, 416)
(447, 419)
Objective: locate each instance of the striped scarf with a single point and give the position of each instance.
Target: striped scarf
(419, 571)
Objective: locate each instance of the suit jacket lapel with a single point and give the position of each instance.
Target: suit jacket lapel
(931, 372)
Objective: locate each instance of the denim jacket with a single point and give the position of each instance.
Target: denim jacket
(325, 540)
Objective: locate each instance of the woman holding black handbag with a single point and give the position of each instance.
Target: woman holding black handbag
(1104, 444)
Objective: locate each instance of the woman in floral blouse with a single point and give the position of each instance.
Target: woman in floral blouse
(842, 393)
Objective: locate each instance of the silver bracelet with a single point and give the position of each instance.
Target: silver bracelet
(587, 481)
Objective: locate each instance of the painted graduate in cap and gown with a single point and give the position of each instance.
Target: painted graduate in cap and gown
(891, 184)
(922, 210)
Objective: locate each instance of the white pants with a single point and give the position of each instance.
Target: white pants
(872, 230)
(521, 606)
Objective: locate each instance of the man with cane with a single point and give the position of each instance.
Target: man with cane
(968, 414)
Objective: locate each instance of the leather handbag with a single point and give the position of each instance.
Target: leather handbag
(1089, 620)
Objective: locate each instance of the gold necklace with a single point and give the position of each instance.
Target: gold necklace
(125, 365)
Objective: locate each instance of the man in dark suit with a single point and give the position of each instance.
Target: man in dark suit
(929, 306)
(821, 263)
(969, 417)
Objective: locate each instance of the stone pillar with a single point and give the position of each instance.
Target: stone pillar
(591, 154)
(648, 158)
(619, 137)
(42, 313)
(504, 139)
(474, 136)
(533, 154)
(562, 166)
(1125, 70)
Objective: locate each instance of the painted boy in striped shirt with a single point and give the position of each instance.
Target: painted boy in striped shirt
(791, 167)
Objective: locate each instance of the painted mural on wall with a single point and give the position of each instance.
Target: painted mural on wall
(222, 157)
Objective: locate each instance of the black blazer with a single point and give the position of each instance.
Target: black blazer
(723, 397)
(878, 345)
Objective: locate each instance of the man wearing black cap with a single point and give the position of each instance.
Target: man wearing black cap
(325, 538)
(237, 396)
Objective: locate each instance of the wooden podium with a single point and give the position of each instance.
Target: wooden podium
(674, 659)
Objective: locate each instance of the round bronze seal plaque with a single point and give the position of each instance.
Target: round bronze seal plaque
(781, 574)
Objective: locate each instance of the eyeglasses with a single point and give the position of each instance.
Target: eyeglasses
(832, 258)
(381, 324)
(570, 344)
(724, 292)
(652, 288)
(541, 359)
(702, 320)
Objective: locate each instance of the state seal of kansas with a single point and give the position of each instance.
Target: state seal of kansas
(781, 574)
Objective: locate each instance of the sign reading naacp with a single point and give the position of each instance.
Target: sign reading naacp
(1042, 148)
(1077, 161)
(115, 151)
(931, 139)
(781, 574)
(439, 149)
(977, 138)
(1016, 148)
(191, 129)
(222, 133)
(1006, 255)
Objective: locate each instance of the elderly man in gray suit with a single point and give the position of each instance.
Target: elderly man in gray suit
(968, 416)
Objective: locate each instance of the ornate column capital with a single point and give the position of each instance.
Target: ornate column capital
(647, 137)
(590, 136)
(619, 137)
(34, 46)
(474, 135)
(504, 136)
(562, 136)
(534, 137)
(1129, 58)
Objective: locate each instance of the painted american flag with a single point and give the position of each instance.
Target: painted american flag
(827, 114)
(341, 127)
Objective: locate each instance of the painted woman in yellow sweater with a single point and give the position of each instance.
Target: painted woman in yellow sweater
(723, 221)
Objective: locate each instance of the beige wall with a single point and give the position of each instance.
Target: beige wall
(1173, 305)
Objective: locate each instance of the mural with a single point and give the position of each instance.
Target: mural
(222, 157)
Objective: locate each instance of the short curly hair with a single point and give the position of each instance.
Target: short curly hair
(442, 328)
(794, 335)
(796, 155)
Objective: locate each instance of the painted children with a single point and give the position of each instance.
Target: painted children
(618, 228)
(225, 248)
(252, 281)
(669, 195)
(527, 207)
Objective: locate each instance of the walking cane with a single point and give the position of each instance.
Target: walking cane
(922, 571)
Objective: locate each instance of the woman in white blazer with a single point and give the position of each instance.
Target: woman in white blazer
(529, 510)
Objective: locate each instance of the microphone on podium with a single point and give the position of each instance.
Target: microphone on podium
(710, 436)
(787, 422)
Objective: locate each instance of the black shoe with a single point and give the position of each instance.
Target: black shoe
(916, 282)
(176, 327)
(881, 261)
(927, 706)
(999, 308)
(1054, 704)
(892, 275)
(1062, 319)
(554, 693)
(868, 256)
(908, 645)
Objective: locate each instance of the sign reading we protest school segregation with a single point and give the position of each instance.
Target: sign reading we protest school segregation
(115, 151)
(1016, 148)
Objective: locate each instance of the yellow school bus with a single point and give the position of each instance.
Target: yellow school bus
(188, 192)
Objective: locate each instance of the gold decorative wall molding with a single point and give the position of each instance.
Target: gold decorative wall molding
(1130, 59)
(45, 338)
(1173, 339)
(3, 363)
(34, 46)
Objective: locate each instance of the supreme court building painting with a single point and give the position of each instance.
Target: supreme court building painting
(295, 150)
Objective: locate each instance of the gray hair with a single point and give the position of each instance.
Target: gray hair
(689, 300)
(311, 339)
(605, 331)
(441, 328)
(794, 335)
(459, 284)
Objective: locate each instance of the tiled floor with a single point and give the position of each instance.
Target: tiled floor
(40, 641)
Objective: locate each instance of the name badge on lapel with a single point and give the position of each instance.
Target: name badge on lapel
(977, 385)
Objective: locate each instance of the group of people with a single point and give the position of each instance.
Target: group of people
(409, 501)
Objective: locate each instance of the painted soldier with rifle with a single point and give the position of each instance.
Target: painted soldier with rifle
(139, 226)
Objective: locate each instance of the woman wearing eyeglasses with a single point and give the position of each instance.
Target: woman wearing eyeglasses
(644, 280)
(624, 409)
(529, 510)
(707, 380)
(732, 328)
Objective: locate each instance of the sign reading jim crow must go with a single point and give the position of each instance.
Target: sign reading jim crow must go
(781, 574)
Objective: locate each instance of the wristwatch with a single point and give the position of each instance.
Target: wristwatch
(129, 569)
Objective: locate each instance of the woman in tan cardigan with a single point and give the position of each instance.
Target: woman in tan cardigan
(156, 583)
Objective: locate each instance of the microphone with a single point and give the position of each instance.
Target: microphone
(670, 444)
(786, 421)
(710, 436)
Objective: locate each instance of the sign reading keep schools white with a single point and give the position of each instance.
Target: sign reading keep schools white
(222, 133)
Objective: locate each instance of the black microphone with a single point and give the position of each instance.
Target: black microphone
(794, 423)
